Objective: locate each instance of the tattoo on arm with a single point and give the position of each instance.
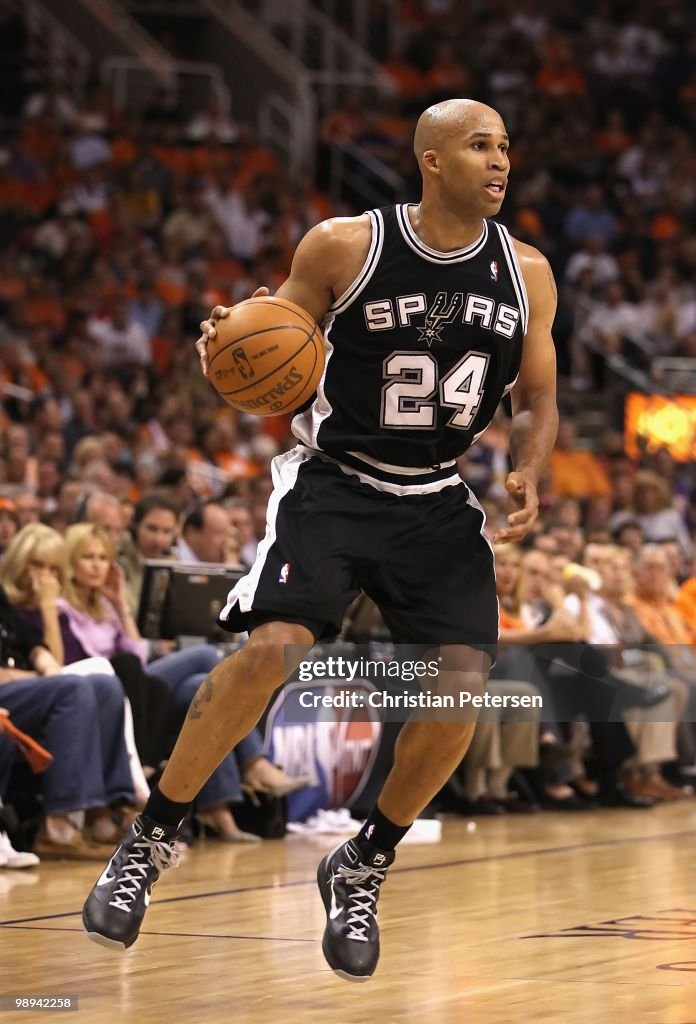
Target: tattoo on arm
(552, 283)
(203, 695)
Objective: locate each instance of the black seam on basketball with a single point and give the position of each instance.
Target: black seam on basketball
(272, 301)
(310, 374)
(252, 334)
(317, 348)
(275, 369)
(297, 401)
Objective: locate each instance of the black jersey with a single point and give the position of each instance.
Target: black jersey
(419, 350)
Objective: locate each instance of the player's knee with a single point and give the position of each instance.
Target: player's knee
(463, 669)
(274, 650)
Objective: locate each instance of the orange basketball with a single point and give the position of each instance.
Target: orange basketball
(267, 356)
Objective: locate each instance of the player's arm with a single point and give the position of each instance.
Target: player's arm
(534, 410)
(327, 259)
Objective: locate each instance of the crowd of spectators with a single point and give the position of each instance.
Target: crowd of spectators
(118, 233)
(599, 102)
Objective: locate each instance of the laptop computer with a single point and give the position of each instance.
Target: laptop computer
(183, 600)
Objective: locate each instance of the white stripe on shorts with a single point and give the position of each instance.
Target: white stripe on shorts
(284, 470)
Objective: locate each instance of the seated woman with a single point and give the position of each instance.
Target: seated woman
(99, 622)
(80, 721)
(31, 574)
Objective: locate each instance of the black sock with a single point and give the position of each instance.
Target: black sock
(380, 831)
(165, 811)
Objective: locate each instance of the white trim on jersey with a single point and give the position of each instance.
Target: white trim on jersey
(475, 503)
(515, 274)
(284, 470)
(401, 490)
(508, 389)
(368, 268)
(387, 467)
(305, 426)
(434, 255)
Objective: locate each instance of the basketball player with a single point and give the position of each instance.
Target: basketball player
(431, 313)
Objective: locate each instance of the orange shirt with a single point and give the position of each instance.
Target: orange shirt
(237, 467)
(686, 603)
(663, 619)
(508, 621)
(257, 160)
(123, 151)
(45, 311)
(225, 270)
(561, 82)
(664, 227)
(408, 79)
(578, 474)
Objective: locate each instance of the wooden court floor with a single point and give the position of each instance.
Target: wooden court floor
(574, 919)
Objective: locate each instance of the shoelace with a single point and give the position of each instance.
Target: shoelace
(361, 907)
(146, 853)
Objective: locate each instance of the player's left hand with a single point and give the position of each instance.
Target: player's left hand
(523, 508)
(208, 328)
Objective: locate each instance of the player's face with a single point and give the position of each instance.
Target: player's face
(475, 166)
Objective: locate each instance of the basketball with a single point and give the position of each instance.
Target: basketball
(267, 356)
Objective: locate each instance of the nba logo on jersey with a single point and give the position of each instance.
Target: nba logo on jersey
(494, 270)
(284, 573)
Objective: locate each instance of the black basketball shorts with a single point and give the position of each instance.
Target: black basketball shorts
(420, 556)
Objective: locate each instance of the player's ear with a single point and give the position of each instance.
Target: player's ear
(430, 160)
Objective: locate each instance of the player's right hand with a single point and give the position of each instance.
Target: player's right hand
(208, 328)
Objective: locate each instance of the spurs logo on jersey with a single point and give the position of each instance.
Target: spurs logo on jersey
(445, 309)
(420, 349)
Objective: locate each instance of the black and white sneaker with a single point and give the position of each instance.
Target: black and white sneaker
(349, 879)
(115, 908)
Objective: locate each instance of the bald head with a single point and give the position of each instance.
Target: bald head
(453, 117)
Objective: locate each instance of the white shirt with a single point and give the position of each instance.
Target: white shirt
(244, 226)
(184, 553)
(601, 628)
(130, 345)
(604, 267)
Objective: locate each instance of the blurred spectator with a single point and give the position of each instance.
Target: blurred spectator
(654, 604)
(9, 523)
(152, 533)
(590, 218)
(28, 507)
(686, 600)
(574, 472)
(121, 339)
(205, 536)
(652, 509)
(190, 223)
(212, 123)
(592, 258)
(241, 520)
(104, 510)
(53, 103)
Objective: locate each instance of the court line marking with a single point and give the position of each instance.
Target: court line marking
(174, 935)
(519, 854)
